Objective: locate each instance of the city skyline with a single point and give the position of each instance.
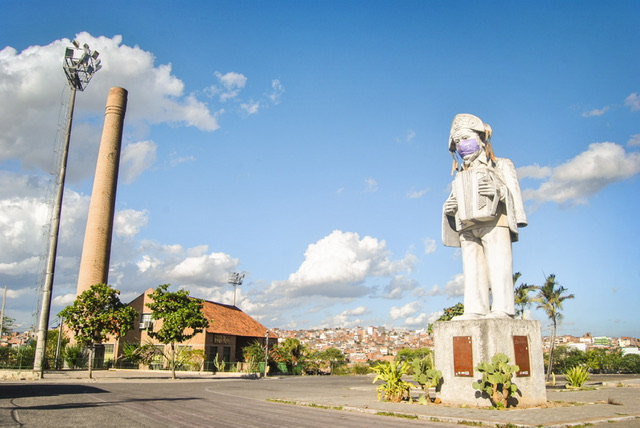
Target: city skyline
(304, 144)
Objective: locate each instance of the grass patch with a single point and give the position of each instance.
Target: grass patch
(297, 403)
(397, 415)
(275, 400)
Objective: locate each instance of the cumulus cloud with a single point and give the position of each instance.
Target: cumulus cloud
(136, 158)
(585, 175)
(397, 312)
(399, 286)
(203, 269)
(534, 171)
(34, 82)
(633, 102)
(127, 223)
(339, 264)
(419, 321)
(453, 288)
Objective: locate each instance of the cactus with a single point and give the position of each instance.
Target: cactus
(425, 374)
(496, 380)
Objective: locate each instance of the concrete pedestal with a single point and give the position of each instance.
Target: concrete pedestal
(461, 345)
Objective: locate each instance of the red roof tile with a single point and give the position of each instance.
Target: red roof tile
(229, 320)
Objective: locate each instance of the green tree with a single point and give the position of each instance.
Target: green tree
(181, 318)
(7, 325)
(449, 313)
(291, 352)
(549, 298)
(523, 301)
(96, 314)
(410, 354)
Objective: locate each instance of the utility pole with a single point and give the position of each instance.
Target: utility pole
(80, 64)
(4, 300)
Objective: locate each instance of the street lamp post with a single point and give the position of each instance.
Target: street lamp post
(266, 352)
(80, 64)
(235, 279)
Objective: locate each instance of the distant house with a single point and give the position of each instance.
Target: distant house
(229, 331)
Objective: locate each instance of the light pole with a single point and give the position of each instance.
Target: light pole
(235, 279)
(80, 64)
(266, 352)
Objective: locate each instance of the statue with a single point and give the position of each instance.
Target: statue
(482, 216)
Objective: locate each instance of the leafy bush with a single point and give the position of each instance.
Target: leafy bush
(74, 356)
(393, 389)
(576, 377)
(496, 380)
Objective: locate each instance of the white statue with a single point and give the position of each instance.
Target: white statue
(482, 216)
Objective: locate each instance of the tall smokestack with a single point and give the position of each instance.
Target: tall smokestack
(96, 251)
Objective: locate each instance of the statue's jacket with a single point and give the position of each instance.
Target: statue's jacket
(511, 200)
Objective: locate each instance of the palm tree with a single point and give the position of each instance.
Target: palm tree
(550, 297)
(523, 301)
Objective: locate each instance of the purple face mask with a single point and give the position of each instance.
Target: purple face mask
(467, 147)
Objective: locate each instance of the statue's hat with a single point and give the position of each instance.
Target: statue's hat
(467, 121)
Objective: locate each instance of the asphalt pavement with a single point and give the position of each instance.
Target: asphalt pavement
(138, 398)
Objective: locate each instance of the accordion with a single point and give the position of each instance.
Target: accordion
(472, 206)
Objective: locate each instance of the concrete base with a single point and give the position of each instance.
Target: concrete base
(461, 345)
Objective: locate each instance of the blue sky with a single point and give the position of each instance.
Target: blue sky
(305, 145)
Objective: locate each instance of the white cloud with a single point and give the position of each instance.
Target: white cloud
(338, 265)
(430, 245)
(586, 174)
(454, 288)
(416, 194)
(277, 89)
(34, 82)
(65, 300)
(634, 141)
(398, 286)
(433, 316)
(250, 108)
(404, 311)
(230, 85)
(371, 185)
(128, 223)
(534, 171)
(136, 158)
(420, 321)
(203, 269)
(596, 112)
(633, 102)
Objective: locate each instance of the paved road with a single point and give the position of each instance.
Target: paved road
(135, 399)
(228, 403)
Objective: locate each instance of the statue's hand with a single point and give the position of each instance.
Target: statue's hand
(451, 206)
(488, 188)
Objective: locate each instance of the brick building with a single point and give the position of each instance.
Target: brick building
(229, 331)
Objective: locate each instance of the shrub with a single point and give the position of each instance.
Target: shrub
(74, 356)
(393, 389)
(576, 377)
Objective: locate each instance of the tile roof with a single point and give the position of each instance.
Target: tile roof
(230, 320)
